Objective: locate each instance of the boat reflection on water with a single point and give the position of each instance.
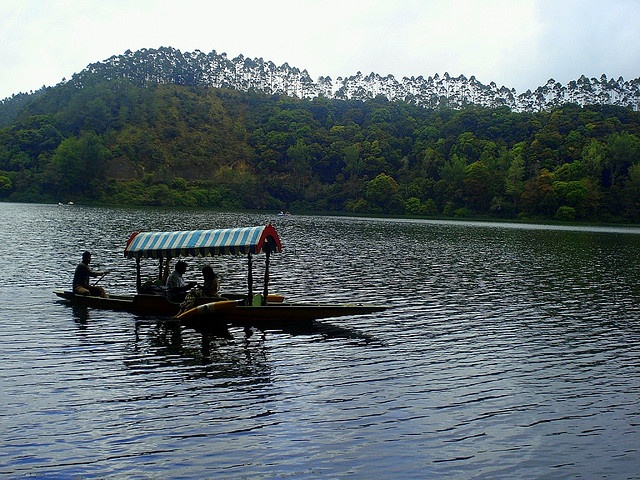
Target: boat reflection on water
(203, 346)
(81, 315)
(320, 330)
(230, 350)
(221, 353)
(218, 351)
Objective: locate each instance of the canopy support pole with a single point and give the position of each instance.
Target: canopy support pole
(160, 270)
(265, 292)
(167, 271)
(138, 276)
(250, 279)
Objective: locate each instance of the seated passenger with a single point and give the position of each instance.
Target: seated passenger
(209, 289)
(176, 286)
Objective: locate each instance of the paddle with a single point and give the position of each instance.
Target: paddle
(99, 278)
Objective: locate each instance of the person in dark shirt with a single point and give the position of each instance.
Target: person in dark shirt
(177, 288)
(83, 273)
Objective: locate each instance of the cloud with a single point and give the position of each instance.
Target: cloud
(517, 44)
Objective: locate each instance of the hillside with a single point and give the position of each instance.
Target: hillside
(171, 66)
(168, 65)
(148, 128)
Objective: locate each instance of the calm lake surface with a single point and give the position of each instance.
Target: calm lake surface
(509, 351)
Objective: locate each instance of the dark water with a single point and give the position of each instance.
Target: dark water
(509, 352)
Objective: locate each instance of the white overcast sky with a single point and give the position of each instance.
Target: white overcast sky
(516, 43)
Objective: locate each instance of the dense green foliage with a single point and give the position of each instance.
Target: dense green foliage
(115, 143)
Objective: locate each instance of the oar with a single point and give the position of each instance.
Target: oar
(100, 278)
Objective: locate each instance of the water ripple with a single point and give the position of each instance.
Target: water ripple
(508, 352)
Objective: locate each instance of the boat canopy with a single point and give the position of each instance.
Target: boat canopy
(228, 241)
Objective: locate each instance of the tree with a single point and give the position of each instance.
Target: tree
(573, 194)
(5, 185)
(623, 150)
(299, 157)
(381, 192)
(469, 146)
(373, 159)
(538, 197)
(432, 162)
(452, 175)
(514, 180)
(119, 142)
(68, 173)
(452, 171)
(476, 186)
(413, 207)
(77, 168)
(593, 158)
(632, 193)
(353, 163)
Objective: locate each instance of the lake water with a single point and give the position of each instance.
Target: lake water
(509, 351)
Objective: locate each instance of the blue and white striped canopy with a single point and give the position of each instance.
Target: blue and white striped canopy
(228, 241)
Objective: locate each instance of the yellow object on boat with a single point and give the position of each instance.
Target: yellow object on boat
(211, 309)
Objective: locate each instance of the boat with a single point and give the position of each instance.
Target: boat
(251, 308)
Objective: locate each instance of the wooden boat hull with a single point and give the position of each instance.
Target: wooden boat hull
(222, 312)
(274, 313)
(140, 304)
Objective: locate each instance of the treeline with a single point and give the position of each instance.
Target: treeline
(115, 143)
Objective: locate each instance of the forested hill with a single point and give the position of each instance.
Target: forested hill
(171, 66)
(118, 140)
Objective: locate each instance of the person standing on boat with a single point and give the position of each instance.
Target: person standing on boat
(83, 273)
(176, 286)
(209, 289)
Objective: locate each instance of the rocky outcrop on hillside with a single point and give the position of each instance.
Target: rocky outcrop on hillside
(171, 66)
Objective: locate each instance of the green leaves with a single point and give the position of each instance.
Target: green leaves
(116, 142)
